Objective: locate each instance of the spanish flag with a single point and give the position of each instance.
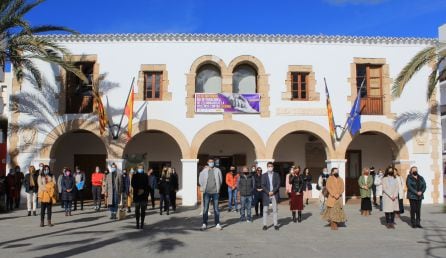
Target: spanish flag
(128, 111)
(102, 115)
(331, 122)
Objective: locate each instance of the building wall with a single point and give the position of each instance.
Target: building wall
(330, 58)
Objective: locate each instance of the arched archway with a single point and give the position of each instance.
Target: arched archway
(301, 143)
(377, 145)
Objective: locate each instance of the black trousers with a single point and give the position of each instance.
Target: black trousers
(152, 197)
(415, 211)
(140, 211)
(96, 191)
(164, 202)
(45, 206)
(79, 197)
(10, 202)
(258, 203)
(173, 200)
(390, 217)
(374, 192)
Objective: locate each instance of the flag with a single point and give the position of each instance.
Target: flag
(102, 115)
(331, 122)
(354, 119)
(128, 111)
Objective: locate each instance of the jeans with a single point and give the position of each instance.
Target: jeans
(232, 197)
(258, 202)
(79, 197)
(152, 196)
(415, 211)
(67, 205)
(140, 211)
(45, 206)
(31, 201)
(246, 205)
(164, 199)
(206, 200)
(96, 191)
(266, 213)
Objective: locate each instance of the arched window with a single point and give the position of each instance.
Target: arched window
(208, 79)
(244, 79)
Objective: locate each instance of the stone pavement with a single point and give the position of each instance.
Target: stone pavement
(90, 234)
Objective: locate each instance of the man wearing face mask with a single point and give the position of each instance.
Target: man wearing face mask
(96, 187)
(210, 180)
(79, 177)
(113, 189)
(245, 185)
(416, 186)
(334, 213)
(231, 182)
(270, 187)
(140, 184)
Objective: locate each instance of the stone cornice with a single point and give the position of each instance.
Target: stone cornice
(267, 38)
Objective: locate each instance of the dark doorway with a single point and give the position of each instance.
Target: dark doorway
(353, 172)
(87, 163)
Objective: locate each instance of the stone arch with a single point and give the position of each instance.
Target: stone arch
(191, 76)
(401, 152)
(305, 126)
(262, 79)
(67, 127)
(165, 127)
(228, 125)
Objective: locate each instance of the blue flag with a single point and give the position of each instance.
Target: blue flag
(354, 119)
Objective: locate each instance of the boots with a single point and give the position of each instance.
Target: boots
(29, 213)
(294, 216)
(34, 213)
(299, 216)
(49, 223)
(41, 224)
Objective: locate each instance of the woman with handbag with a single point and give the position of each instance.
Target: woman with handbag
(47, 194)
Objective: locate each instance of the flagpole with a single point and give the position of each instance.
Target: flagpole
(326, 88)
(123, 112)
(344, 129)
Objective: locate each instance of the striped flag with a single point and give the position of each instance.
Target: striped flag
(331, 122)
(102, 115)
(128, 111)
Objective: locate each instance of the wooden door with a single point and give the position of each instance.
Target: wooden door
(87, 163)
(353, 172)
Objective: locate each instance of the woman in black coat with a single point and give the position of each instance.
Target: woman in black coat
(164, 187)
(140, 185)
(68, 184)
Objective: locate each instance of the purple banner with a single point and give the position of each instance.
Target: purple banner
(227, 102)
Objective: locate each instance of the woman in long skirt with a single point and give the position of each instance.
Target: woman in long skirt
(334, 211)
(296, 196)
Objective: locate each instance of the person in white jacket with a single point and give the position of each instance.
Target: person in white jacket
(379, 188)
(401, 182)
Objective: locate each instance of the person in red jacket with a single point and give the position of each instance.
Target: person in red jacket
(231, 180)
(96, 187)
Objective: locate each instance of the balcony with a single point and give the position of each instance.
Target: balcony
(372, 105)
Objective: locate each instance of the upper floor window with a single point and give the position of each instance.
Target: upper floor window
(153, 85)
(299, 83)
(208, 79)
(79, 94)
(244, 79)
(371, 75)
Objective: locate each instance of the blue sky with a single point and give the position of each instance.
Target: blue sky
(412, 18)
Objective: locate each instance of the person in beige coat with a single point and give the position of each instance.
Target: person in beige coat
(334, 212)
(390, 197)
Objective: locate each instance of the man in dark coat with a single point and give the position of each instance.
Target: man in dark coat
(270, 187)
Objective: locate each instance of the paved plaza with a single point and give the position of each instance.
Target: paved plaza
(90, 234)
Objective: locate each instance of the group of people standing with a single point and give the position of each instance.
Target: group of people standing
(390, 188)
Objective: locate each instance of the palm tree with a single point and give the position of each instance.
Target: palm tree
(435, 55)
(20, 43)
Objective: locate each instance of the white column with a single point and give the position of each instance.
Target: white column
(189, 176)
(263, 163)
(340, 164)
(119, 163)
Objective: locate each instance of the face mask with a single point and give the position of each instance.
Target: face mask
(381, 174)
(41, 167)
(415, 173)
(113, 169)
(211, 164)
(46, 171)
(97, 170)
(253, 169)
(325, 172)
(140, 170)
(132, 171)
(270, 169)
(336, 174)
(78, 171)
(246, 173)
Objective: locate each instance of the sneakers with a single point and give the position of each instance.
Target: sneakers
(218, 227)
(248, 221)
(203, 227)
